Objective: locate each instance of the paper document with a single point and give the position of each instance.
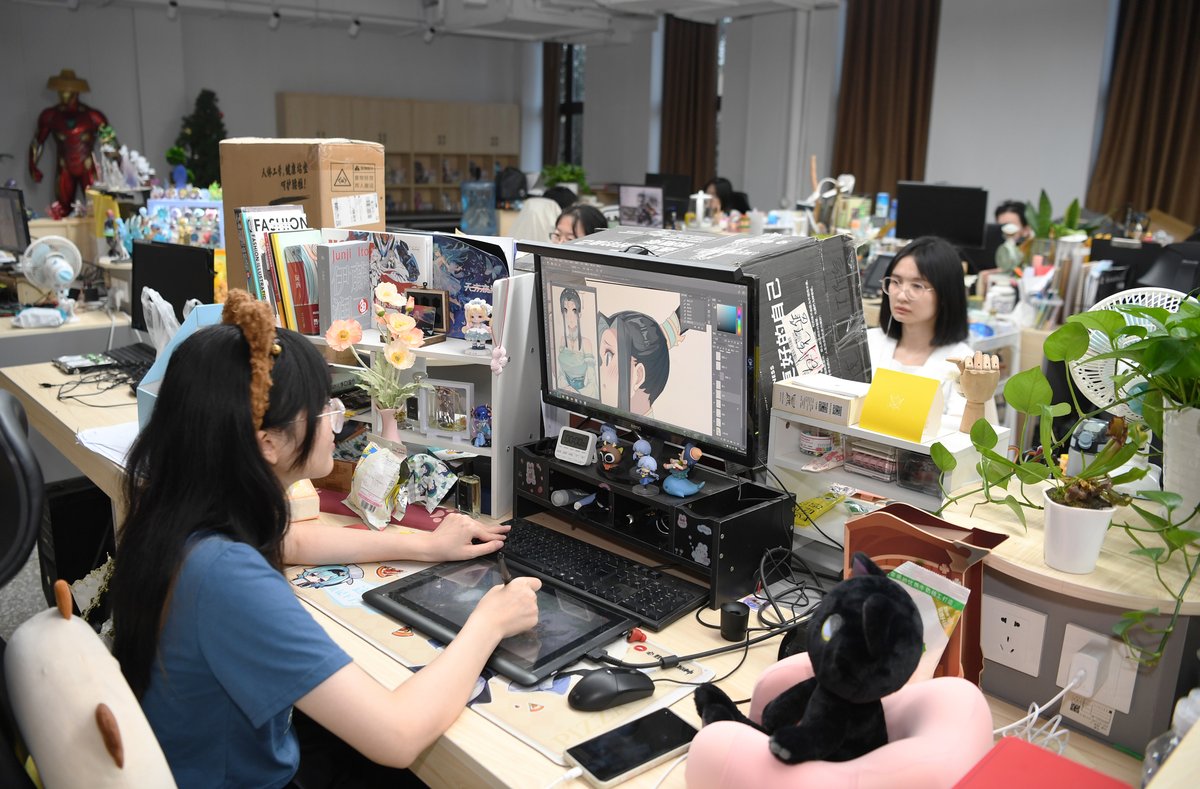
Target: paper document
(111, 441)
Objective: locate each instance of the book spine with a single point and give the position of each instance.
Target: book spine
(324, 301)
(302, 284)
(287, 310)
(243, 234)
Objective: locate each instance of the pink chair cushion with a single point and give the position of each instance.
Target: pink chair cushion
(937, 730)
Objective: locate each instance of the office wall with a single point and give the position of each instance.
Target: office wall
(617, 109)
(1016, 96)
(145, 72)
(778, 103)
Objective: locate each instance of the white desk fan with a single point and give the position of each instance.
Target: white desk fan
(51, 264)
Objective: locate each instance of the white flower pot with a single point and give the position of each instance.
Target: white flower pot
(1073, 536)
(1181, 456)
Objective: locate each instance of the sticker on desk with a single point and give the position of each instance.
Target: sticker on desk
(1089, 712)
(355, 210)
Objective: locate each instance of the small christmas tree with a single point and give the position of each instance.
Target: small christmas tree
(202, 131)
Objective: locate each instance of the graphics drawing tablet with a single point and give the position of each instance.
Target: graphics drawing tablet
(438, 600)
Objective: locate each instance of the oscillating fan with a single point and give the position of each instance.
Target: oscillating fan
(51, 264)
(1096, 378)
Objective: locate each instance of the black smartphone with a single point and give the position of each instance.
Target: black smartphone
(632, 748)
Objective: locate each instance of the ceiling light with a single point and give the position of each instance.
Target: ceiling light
(355, 26)
(273, 20)
(172, 9)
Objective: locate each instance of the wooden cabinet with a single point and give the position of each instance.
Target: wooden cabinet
(431, 147)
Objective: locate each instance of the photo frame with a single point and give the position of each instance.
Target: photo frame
(445, 409)
(431, 311)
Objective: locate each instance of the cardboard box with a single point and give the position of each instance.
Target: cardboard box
(822, 397)
(898, 533)
(339, 183)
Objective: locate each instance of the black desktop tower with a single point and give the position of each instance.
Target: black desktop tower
(76, 534)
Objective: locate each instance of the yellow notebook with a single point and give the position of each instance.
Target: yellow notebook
(903, 405)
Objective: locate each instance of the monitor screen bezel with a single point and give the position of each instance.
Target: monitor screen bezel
(682, 268)
(951, 194)
(17, 196)
(137, 279)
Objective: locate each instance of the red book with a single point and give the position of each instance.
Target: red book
(1013, 762)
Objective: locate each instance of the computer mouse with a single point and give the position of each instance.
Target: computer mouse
(605, 688)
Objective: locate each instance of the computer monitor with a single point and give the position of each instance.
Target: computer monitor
(677, 189)
(14, 225)
(641, 206)
(872, 281)
(658, 346)
(179, 273)
(956, 213)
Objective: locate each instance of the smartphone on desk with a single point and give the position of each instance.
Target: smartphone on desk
(632, 748)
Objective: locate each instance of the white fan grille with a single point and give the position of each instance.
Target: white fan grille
(1095, 379)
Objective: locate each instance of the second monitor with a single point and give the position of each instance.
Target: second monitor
(641, 206)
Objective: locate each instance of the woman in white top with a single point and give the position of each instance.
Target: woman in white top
(923, 318)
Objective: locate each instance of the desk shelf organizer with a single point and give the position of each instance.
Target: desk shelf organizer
(514, 394)
(717, 535)
(783, 451)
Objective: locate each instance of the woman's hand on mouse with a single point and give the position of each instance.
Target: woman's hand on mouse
(453, 539)
(511, 608)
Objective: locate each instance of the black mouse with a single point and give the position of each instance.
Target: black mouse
(605, 688)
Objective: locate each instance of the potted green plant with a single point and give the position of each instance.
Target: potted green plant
(1046, 231)
(562, 173)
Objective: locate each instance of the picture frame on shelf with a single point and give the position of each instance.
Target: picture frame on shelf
(431, 311)
(446, 409)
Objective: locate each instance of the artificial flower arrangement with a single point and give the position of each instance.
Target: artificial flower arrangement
(381, 378)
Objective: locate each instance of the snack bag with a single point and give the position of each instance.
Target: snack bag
(941, 603)
(375, 488)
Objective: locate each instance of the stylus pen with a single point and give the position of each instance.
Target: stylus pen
(505, 573)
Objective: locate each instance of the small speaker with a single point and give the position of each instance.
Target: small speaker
(735, 619)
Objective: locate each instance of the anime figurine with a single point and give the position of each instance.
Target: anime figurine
(647, 474)
(609, 451)
(482, 417)
(114, 235)
(677, 483)
(641, 449)
(74, 126)
(477, 328)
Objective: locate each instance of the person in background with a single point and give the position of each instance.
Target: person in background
(561, 195)
(209, 633)
(923, 319)
(576, 222)
(725, 199)
(1011, 212)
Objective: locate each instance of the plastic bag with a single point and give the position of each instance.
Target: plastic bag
(375, 490)
(160, 318)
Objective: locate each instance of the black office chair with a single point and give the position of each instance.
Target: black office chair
(22, 506)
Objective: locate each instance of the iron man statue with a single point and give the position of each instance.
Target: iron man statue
(75, 127)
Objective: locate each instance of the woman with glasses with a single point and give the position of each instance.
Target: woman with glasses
(208, 631)
(576, 222)
(923, 318)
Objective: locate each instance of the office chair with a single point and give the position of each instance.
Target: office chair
(22, 505)
(57, 672)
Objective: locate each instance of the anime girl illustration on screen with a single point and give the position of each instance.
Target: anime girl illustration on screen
(574, 340)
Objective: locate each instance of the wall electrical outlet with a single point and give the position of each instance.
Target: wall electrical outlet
(1012, 635)
(1115, 689)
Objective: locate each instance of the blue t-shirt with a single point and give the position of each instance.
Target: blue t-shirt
(236, 651)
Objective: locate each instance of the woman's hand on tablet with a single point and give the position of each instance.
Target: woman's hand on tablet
(510, 608)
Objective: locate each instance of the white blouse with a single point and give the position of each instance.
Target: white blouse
(883, 350)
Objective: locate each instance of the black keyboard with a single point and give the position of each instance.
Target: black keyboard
(654, 598)
(134, 361)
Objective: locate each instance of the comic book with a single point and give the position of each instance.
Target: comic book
(465, 268)
(403, 259)
(343, 282)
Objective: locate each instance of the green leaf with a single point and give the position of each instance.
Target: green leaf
(983, 435)
(1132, 475)
(1027, 391)
(1166, 498)
(1058, 409)
(1152, 410)
(1071, 218)
(1179, 538)
(1031, 472)
(1150, 518)
(942, 458)
(1108, 322)
(1109, 458)
(1067, 342)
(1151, 553)
(1016, 507)
(995, 474)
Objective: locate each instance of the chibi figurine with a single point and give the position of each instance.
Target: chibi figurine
(647, 474)
(482, 419)
(477, 329)
(641, 449)
(610, 451)
(677, 483)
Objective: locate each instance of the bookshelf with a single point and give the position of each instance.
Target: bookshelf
(431, 147)
(514, 394)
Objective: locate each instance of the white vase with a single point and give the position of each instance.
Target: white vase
(388, 427)
(1073, 536)
(1181, 457)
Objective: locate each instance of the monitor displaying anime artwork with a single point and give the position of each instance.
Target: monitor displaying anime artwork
(648, 344)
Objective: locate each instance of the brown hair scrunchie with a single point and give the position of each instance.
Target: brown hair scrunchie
(257, 323)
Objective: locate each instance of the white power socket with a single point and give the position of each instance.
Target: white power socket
(1012, 634)
(1115, 689)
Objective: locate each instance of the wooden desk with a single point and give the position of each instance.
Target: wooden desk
(474, 751)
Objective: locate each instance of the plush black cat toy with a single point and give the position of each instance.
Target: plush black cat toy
(864, 641)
